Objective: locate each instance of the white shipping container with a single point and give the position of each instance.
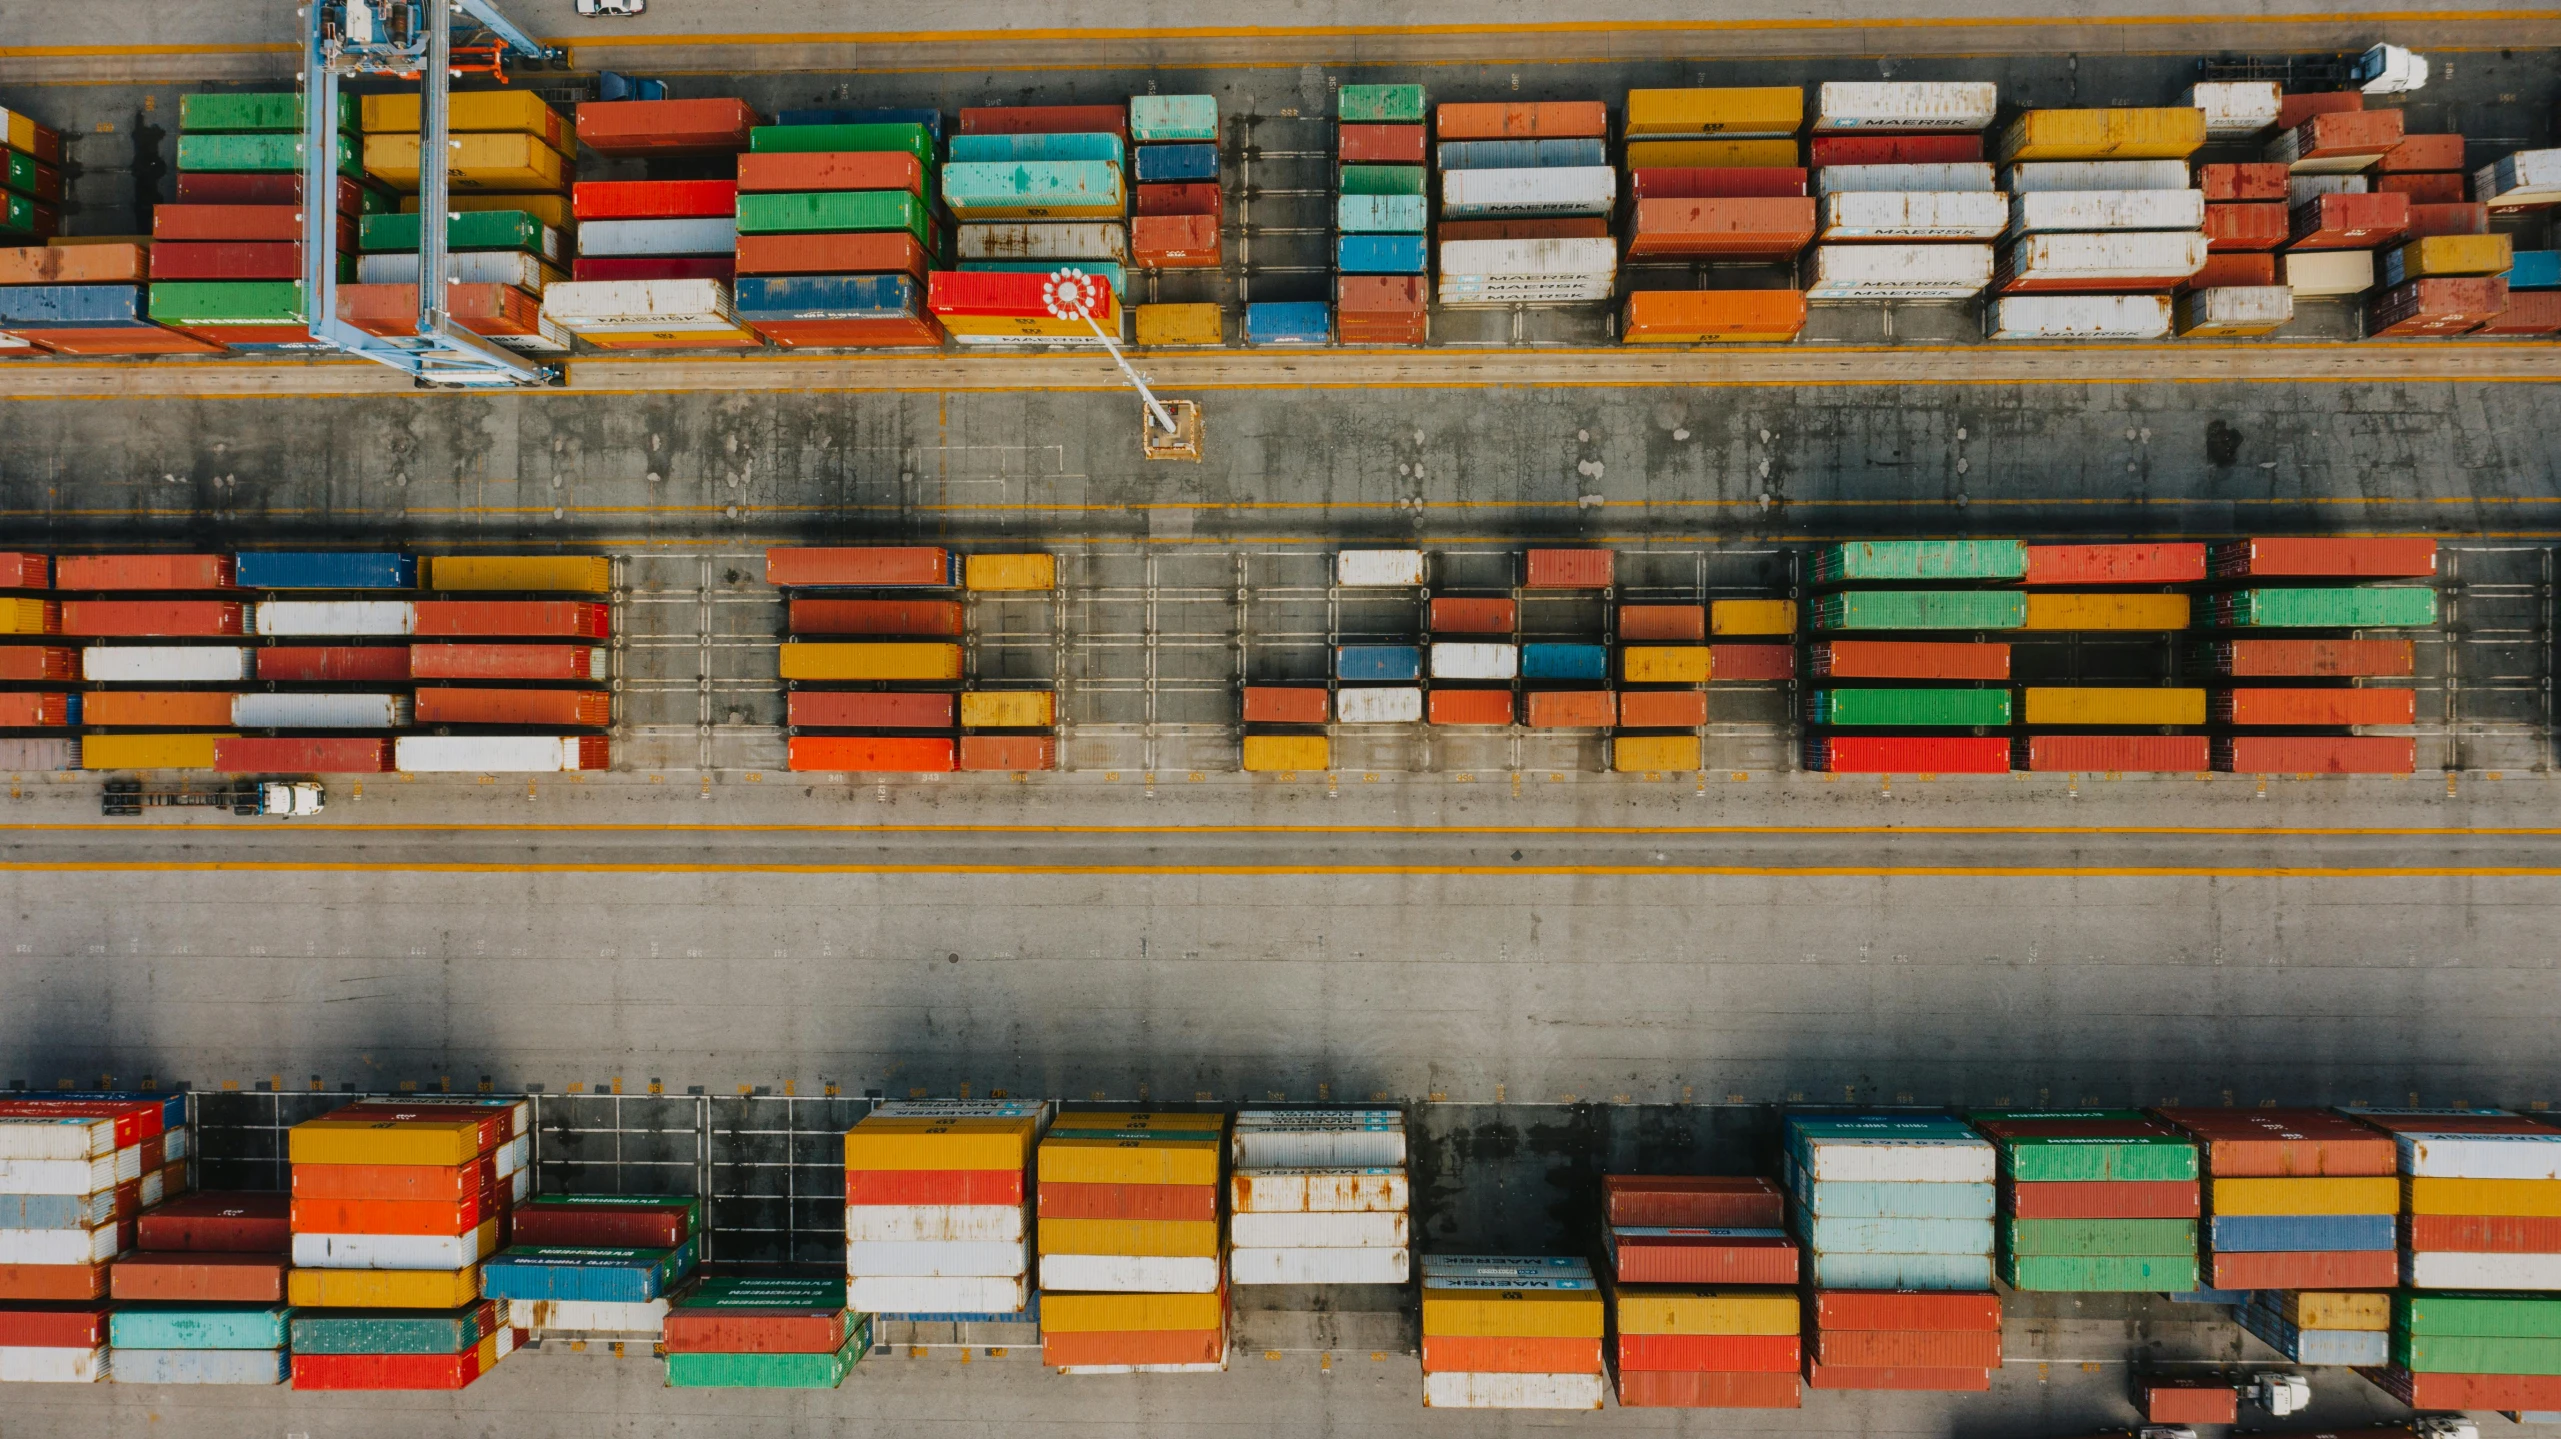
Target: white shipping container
(1074, 240)
(333, 617)
(198, 1366)
(702, 235)
(1913, 215)
(2040, 211)
(1565, 190)
(1320, 1266)
(38, 1136)
(2235, 310)
(2303, 189)
(316, 711)
(67, 1176)
(1918, 1161)
(1218, 1368)
(2480, 1156)
(908, 1294)
(2114, 255)
(173, 1143)
(2327, 272)
(1525, 289)
(1129, 1273)
(1473, 662)
(587, 1316)
(962, 1108)
(1308, 1231)
(2079, 317)
(2443, 1269)
(46, 1364)
(1300, 1148)
(1462, 1390)
(1896, 272)
(513, 1157)
(1530, 259)
(72, 1246)
(21, 755)
(920, 1259)
(2520, 181)
(484, 754)
(548, 339)
(1349, 1118)
(1394, 705)
(2038, 176)
(1902, 179)
(1378, 567)
(1319, 1191)
(638, 303)
(469, 267)
(1941, 105)
(395, 1251)
(133, 664)
(935, 1223)
(2235, 108)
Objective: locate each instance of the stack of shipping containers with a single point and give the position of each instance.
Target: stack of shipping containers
(2320, 1326)
(1032, 186)
(652, 297)
(164, 704)
(88, 298)
(230, 270)
(202, 1300)
(1565, 640)
(1896, 1212)
(1507, 1331)
(2514, 191)
(1319, 1196)
(1664, 666)
(1963, 681)
(36, 668)
(2299, 1207)
(909, 622)
(2110, 728)
(1008, 723)
(634, 1242)
(1132, 1274)
(1714, 180)
(2345, 609)
(1516, 234)
(2094, 1201)
(1378, 673)
(507, 232)
(937, 1220)
(482, 640)
(763, 1332)
(837, 239)
(1703, 1312)
(1284, 722)
(1178, 231)
(74, 1173)
(1906, 205)
(1382, 254)
(31, 192)
(2104, 223)
(1475, 655)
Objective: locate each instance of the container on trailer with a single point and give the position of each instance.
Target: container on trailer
(2235, 109)
(1687, 317)
(505, 662)
(500, 754)
(1522, 119)
(2301, 105)
(2078, 317)
(1905, 105)
(2528, 179)
(2227, 310)
(1908, 754)
(2308, 754)
(2127, 134)
(302, 755)
(2041, 211)
(872, 754)
(1895, 272)
(1907, 215)
(665, 127)
(2340, 143)
(2113, 754)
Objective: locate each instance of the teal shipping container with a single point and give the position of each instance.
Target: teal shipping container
(771, 1371)
(387, 1331)
(1852, 1234)
(2374, 607)
(1070, 189)
(198, 1326)
(1099, 145)
(1156, 118)
(1921, 610)
(1880, 560)
(1381, 214)
(1379, 104)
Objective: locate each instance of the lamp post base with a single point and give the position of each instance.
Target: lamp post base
(1183, 443)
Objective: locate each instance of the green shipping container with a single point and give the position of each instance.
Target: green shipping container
(469, 230)
(770, 1371)
(228, 302)
(2383, 606)
(916, 140)
(1911, 707)
(1921, 560)
(17, 212)
(2087, 1237)
(1383, 180)
(263, 154)
(272, 111)
(198, 1326)
(1921, 610)
(1379, 105)
(2476, 1354)
(1156, 118)
(18, 171)
(805, 212)
(2476, 1315)
(2089, 1157)
(386, 1331)
(2101, 1273)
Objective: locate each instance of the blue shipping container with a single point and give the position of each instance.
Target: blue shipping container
(199, 1326)
(198, 1366)
(596, 1276)
(1521, 154)
(1381, 214)
(932, 120)
(1172, 164)
(1017, 149)
(1289, 322)
(1378, 662)
(72, 307)
(2535, 270)
(829, 297)
(1382, 254)
(324, 570)
(58, 1211)
(2262, 1233)
(1565, 662)
(1111, 272)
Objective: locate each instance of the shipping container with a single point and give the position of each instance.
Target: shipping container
(1380, 705)
(2224, 184)
(1825, 151)
(318, 711)
(1961, 177)
(324, 570)
(1714, 153)
(2107, 612)
(1509, 120)
(2115, 754)
(1664, 709)
(38, 662)
(106, 264)
(2304, 557)
(1711, 183)
(302, 756)
(1474, 661)
(824, 709)
(1906, 215)
(1044, 120)
(872, 754)
(2320, 273)
(2098, 705)
(148, 751)
(916, 566)
(1358, 144)
(1569, 709)
(2224, 311)
(1550, 569)
(164, 664)
(584, 574)
(334, 662)
(1668, 622)
(500, 619)
(1196, 324)
(2342, 142)
(2304, 754)
(156, 709)
(1095, 145)
(590, 709)
(1895, 272)
(1879, 754)
(2117, 260)
(501, 662)
(2236, 109)
(1738, 229)
(1921, 610)
(1445, 706)
(2435, 307)
(2314, 658)
(2127, 134)
(137, 618)
(1908, 707)
(334, 617)
(1019, 753)
(665, 127)
(2382, 607)
(1285, 704)
(2528, 179)
(2306, 706)
(2349, 222)
(1498, 155)
(30, 617)
(809, 660)
(2426, 187)
(2078, 317)
(1905, 105)
(2533, 312)
(500, 754)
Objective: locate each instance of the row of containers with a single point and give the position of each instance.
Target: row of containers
(1704, 214)
(306, 662)
(2419, 1247)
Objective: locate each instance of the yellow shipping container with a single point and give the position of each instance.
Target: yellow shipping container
(2106, 612)
(2436, 255)
(1167, 1238)
(942, 1148)
(1286, 753)
(1512, 1313)
(915, 660)
(2524, 1198)
(480, 162)
(382, 1288)
(475, 111)
(1181, 325)
(1178, 1123)
(30, 617)
(2164, 134)
(1741, 110)
(579, 574)
(2055, 704)
(384, 1141)
(1128, 1313)
(1679, 154)
(552, 210)
(1008, 709)
(1751, 617)
(1664, 664)
(1128, 1161)
(1009, 572)
(2322, 1194)
(149, 751)
(1653, 753)
(2319, 1309)
(1667, 1310)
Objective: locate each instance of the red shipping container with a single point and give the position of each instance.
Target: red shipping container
(127, 340)
(1395, 298)
(987, 292)
(214, 187)
(1448, 706)
(2435, 307)
(2294, 109)
(82, 1328)
(2114, 754)
(587, 709)
(665, 127)
(875, 617)
(2504, 1392)
(1737, 1202)
(2196, 1401)
(387, 1371)
(483, 309)
(934, 1186)
(1712, 182)
(2223, 184)
(1045, 120)
(1908, 1348)
(1751, 662)
(872, 755)
(1506, 1354)
(2529, 312)
(850, 334)
(1569, 709)
(219, 1278)
(302, 756)
(1662, 709)
(661, 199)
(1646, 624)
(1702, 1257)
(1561, 227)
(2349, 222)
(2484, 1233)
(1896, 150)
(506, 662)
(1909, 754)
(2316, 658)
(1285, 704)
(1676, 1389)
(275, 224)
(294, 336)
(1932, 1381)
(1727, 1353)
(2280, 1143)
(2230, 268)
(2325, 557)
(1459, 616)
(2457, 219)
(152, 618)
(754, 1331)
(137, 1120)
(562, 619)
(838, 709)
(1194, 1202)
(2102, 1199)
(2131, 564)
(38, 662)
(142, 572)
(2311, 754)
(723, 268)
(2425, 187)
(33, 711)
(1524, 120)
(1175, 242)
(1908, 660)
(1380, 144)
(2301, 706)
(2423, 152)
(1200, 197)
(1767, 229)
(1140, 1346)
(1571, 569)
(53, 1281)
(2346, 133)
(2247, 228)
(996, 753)
(225, 260)
(76, 264)
(606, 1227)
(219, 1222)
(394, 1181)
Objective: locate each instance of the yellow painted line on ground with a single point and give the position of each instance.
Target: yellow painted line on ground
(1181, 831)
(1347, 871)
(72, 52)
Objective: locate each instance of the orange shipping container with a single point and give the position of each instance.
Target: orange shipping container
(832, 170)
(872, 709)
(1480, 707)
(448, 1182)
(872, 754)
(1570, 569)
(2435, 307)
(1681, 317)
(485, 309)
(2424, 187)
(1175, 242)
(1008, 752)
(498, 619)
(2232, 268)
(1459, 616)
(864, 252)
(38, 662)
(1662, 709)
(1570, 709)
(1767, 228)
(1662, 622)
(2316, 707)
(2246, 227)
(20, 571)
(31, 710)
(176, 709)
(76, 265)
(441, 1217)
(1524, 120)
(1909, 660)
(2259, 180)
(1505, 1354)
(933, 618)
(665, 127)
(2529, 312)
(592, 709)
(150, 618)
(1285, 704)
